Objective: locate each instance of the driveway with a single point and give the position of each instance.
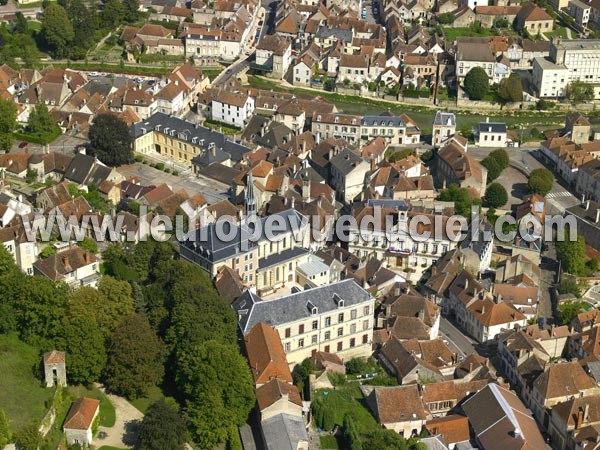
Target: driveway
(122, 434)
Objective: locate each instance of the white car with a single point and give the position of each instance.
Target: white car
(94, 74)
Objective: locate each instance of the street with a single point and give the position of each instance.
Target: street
(456, 340)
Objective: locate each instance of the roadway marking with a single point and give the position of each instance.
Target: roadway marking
(559, 194)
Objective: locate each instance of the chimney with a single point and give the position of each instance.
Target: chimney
(214, 151)
(293, 201)
(66, 262)
(587, 205)
(586, 412)
(487, 120)
(306, 190)
(579, 419)
(319, 201)
(597, 215)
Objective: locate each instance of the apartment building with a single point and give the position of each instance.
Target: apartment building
(336, 318)
(470, 54)
(444, 127)
(580, 11)
(274, 55)
(394, 129)
(570, 60)
(348, 172)
(183, 141)
(202, 43)
(339, 126)
(233, 108)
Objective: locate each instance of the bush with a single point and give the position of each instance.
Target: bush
(356, 366)
(176, 172)
(159, 166)
(568, 285)
(167, 170)
(328, 418)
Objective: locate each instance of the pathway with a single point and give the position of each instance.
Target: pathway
(120, 435)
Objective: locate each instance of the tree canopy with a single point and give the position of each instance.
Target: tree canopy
(571, 254)
(84, 343)
(460, 196)
(476, 83)
(8, 123)
(162, 427)
(540, 181)
(495, 195)
(110, 140)
(569, 310)
(511, 89)
(5, 433)
(57, 30)
(579, 91)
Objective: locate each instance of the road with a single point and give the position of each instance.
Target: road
(457, 341)
(11, 8)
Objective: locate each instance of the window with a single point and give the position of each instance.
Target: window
(366, 311)
(315, 325)
(300, 343)
(352, 328)
(352, 342)
(313, 339)
(365, 339)
(287, 347)
(327, 321)
(353, 314)
(340, 331)
(365, 325)
(327, 335)
(301, 329)
(327, 348)
(288, 332)
(340, 346)
(340, 317)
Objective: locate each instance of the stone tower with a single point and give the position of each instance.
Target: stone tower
(250, 200)
(55, 371)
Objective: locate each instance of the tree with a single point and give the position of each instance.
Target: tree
(540, 181)
(57, 31)
(41, 121)
(28, 438)
(351, 434)
(84, 343)
(579, 91)
(569, 310)
(356, 366)
(446, 18)
(162, 427)
(501, 157)
(135, 356)
(571, 254)
(568, 285)
(112, 14)
(7, 262)
(386, 440)
(5, 433)
(495, 195)
(217, 388)
(493, 167)
(460, 197)
(511, 89)
(328, 418)
(131, 10)
(301, 373)
(8, 123)
(110, 140)
(89, 244)
(476, 83)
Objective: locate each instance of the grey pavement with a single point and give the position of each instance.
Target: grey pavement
(455, 338)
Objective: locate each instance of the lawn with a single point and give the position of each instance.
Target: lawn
(22, 395)
(348, 399)
(557, 32)
(222, 127)
(452, 33)
(329, 442)
(143, 403)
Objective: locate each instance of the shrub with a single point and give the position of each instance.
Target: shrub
(176, 172)
(495, 195)
(159, 166)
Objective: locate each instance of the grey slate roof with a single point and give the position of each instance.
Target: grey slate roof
(80, 168)
(166, 124)
(387, 121)
(278, 258)
(492, 127)
(208, 244)
(251, 309)
(346, 161)
(444, 119)
(325, 32)
(284, 432)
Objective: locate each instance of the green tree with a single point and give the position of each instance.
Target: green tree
(8, 123)
(446, 18)
(579, 91)
(84, 343)
(511, 89)
(386, 440)
(493, 167)
(131, 10)
(328, 418)
(112, 14)
(110, 140)
(85, 24)
(7, 262)
(48, 251)
(135, 356)
(218, 390)
(57, 31)
(28, 438)
(5, 433)
(569, 310)
(162, 427)
(89, 244)
(568, 285)
(460, 196)
(21, 25)
(41, 121)
(495, 195)
(301, 374)
(571, 254)
(351, 434)
(540, 181)
(356, 366)
(476, 83)
(501, 157)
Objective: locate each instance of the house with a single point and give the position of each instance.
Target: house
(410, 304)
(578, 127)
(336, 318)
(233, 108)
(399, 408)
(80, 420)
(572, 420)
(534, 19)
(444, 127)
(24, 251)
(328, 362)
(354, 68)
(278, 397)
(475, 52)
(500, 420)
(491, 134)
(74, 265)
(453, 429)
(348, 171)
(443, 397)
(285, 432)
(274, 55)
(454, 165)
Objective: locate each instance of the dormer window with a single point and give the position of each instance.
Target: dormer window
(136, 102)
(337, 119)
(312, 308)
(318, 118)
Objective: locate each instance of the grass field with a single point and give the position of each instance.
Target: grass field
(143, 403)
(22, 395)
(329, 442)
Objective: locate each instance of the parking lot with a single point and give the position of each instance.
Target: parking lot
(373, 11)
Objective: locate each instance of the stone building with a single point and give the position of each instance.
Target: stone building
(55, 372)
